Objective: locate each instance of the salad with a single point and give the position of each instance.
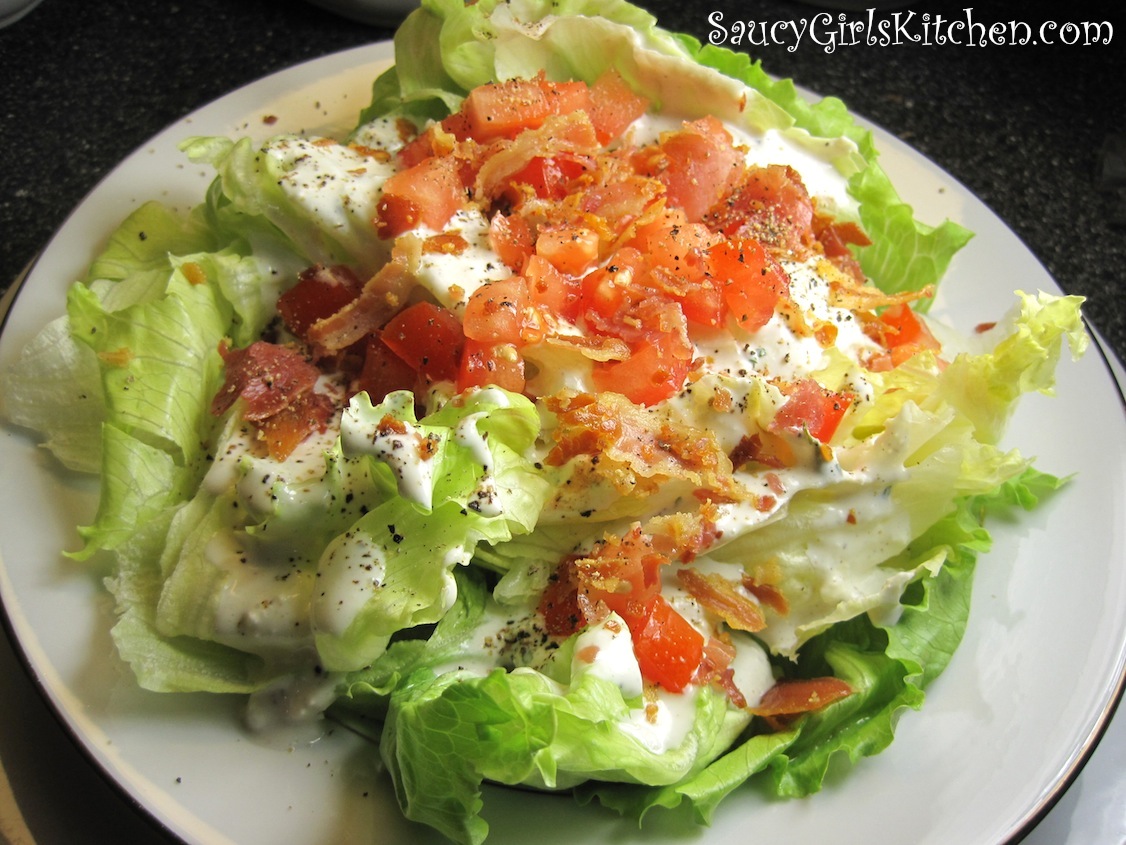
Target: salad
(575, 423)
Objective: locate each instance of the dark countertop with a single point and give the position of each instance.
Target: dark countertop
(1036, 132)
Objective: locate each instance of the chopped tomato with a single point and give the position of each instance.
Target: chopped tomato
(614, 106)
(901, 331)
(428, 338)
(607, 290)
(383, 371)
(551, 290)
(496, 364)
(668, 648)
(769, 203)
(655, 370)
(570, 249)
(624, 574)
(697, 164)
(429, 193)
(319, 292)
(671, 242)
(511, 239)
(545, 178)
(751, 281)
(495, 312)
(504, 109)
(813, 408)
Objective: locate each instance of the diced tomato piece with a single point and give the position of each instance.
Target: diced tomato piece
(383, 371)
(495, 312)
(607, 290)
(668, 648)
(672, 242)
(428, 338)
(504, 109)
(901, 326)
(769, 203)
(423, 145)
(624, 574)
(750, 280)
(545, 177)
(903, 334)
(813, 408)
(655, 370)
(511, 239)
(570, 249)
(319, 292)
(614, 106)
(491, 364)
(697, 164)
(429, 193)
(551, 290)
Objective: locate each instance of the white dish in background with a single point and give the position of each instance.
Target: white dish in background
(1001, 733)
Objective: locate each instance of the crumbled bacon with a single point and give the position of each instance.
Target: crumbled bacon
(382, 296)
(790, 698)
(635, 445)
(266, 376)
(275, 384)
(721, 596)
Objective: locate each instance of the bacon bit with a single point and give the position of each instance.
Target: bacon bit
(765, 504)
(721, 400)
(382, 295)
(195, 274)
(715, 668)
(560, 134)
(382, 156)
(593, 347)
(767, 595)
(270, 119)
(120, 357)
(851, 518)
(825, 333)
(766, 448)
(846, 292)
(407, 130)
(634, 444)
(787, 699)
(774, 482)
(285, 430)
(266, 376)
(587, 654)
(447, 243)
(723, 598)
(682, 536)
(981, 328)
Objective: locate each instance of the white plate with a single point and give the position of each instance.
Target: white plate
(1002, 731)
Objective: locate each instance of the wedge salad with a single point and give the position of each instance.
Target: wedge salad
(574, 423)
